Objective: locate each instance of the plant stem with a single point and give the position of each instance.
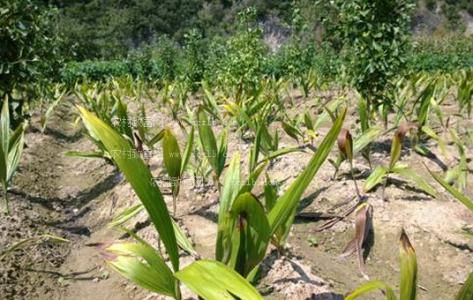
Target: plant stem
(354, 181)
(5, 194)
(384, 187)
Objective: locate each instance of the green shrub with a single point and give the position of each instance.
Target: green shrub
(375, 35)
(29, 52)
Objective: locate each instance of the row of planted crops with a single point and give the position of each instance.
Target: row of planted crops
(238, 92)
(249, 224)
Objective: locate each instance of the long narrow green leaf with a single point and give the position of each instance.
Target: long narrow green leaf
(230, 191)
(408, 173)
(286, 205)
(375, 178)
(280, 152)
(50, 110)
(171, 155)
(222, 152)
(5, 127)
(124, 123)
(207, 139)
(156, 138)
(212, 280)
(182, 239)
(23, 243)
(140, 178)
(15, 154)
(126, 215)
(466, 292)
(187, 151)
(453, 191)
(140, 263)
(408, 263)
(92, 154)
(370, 286)
(366, 138)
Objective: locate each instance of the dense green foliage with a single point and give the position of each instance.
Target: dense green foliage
(29, 51)
(375, 35)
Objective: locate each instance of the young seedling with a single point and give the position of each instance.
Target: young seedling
(381, 173)
(345, 145)
(11, 148)
(174, 163)
(216, 156)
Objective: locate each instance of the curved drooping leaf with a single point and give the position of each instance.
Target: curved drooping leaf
(131, 212)
(375, 178)
(213, 280)
(182, 239)
(140, 178)
(453, 191)
(250, 233)
(125, 215)
(140, 263)
(370, 286)
(37, 239)
(408, 173)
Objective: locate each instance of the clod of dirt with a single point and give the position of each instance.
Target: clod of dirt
(292, 279)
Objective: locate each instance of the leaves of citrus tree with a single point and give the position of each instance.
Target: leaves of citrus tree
(286, 205)
(213, 280)
(140, 178)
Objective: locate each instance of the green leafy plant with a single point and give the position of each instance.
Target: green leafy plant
(11, 148)
(245, 226)
(31, 53)
(174, 163)
(140, 262)
(381, 173)
(345, 145)
(376, 38)
(216, 155)
(57, 96)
